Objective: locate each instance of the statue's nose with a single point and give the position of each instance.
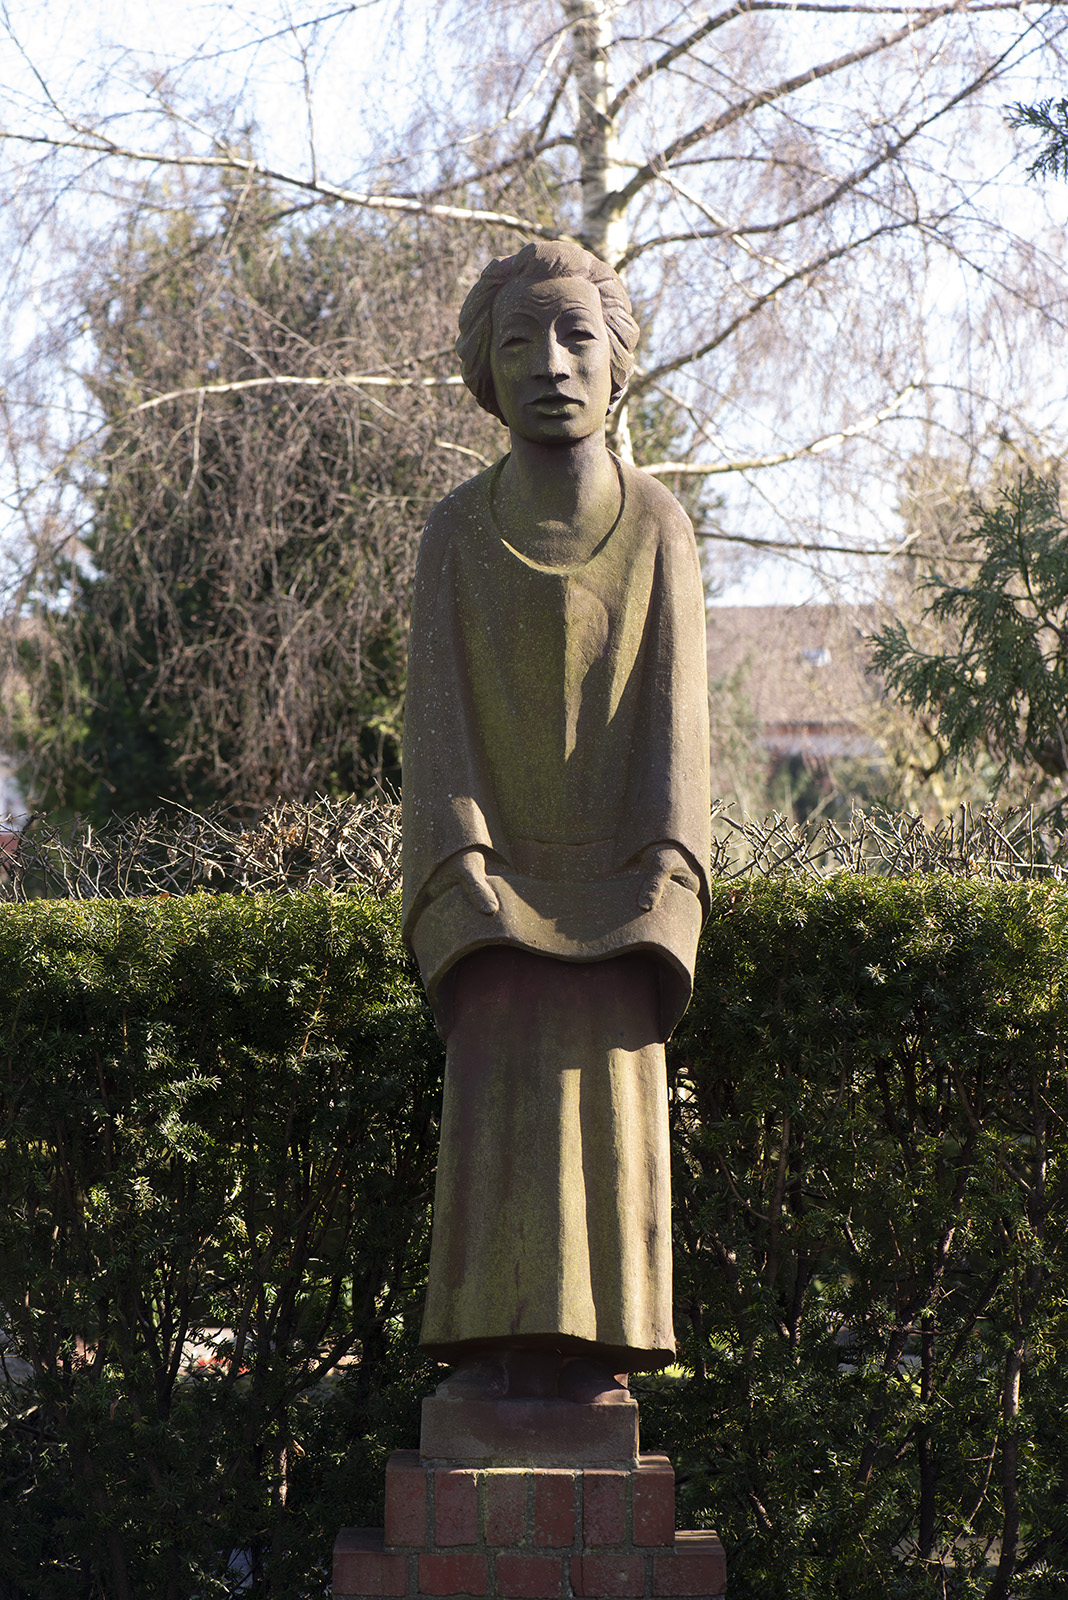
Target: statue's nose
(552, 358)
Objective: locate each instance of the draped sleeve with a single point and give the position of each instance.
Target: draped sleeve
(557, 719)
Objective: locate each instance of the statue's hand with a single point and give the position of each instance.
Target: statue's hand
(663, 864)
(468, 869)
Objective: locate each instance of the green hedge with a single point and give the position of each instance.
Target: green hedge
(220, 1113)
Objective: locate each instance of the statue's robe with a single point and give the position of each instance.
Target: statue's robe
(557, 719)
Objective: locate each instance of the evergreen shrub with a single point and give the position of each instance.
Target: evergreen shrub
(217, 1138)
(217, 1129)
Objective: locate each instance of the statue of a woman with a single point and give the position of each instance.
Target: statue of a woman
(556, 843)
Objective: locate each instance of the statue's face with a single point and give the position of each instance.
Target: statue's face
(551, 359)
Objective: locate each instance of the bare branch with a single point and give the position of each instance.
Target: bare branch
(230, 162)
(279, 381)
(748, 7)
(671, 55)
(851, 181)
(524, 100)
(331, 843)
(707, 469)
(735, 235)
(799, 273)
(338, 380)
(464, 450)
(744, 108)
(529, 153)
(810, 546)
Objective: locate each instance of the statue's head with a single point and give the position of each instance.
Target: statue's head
(537, 264)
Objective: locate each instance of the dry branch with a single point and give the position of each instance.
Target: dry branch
(337, 844)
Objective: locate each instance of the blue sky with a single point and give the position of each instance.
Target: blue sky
(366, 65)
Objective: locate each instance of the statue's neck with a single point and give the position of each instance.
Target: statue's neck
(555, 503)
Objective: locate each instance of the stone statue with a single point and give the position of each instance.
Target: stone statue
(556, 845)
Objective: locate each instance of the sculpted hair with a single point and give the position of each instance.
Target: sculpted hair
(533, 264)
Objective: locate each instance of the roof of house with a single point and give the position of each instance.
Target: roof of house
(802, 670)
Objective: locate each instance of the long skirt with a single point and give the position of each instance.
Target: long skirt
(552, 1210)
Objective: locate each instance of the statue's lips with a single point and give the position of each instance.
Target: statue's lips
(554, 404)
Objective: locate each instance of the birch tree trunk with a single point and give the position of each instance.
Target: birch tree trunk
(596, 133)
(604, 224)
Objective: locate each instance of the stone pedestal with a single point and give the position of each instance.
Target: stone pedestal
(532, 1531)
(528, 1433)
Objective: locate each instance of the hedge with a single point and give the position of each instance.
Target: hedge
(217, 1132)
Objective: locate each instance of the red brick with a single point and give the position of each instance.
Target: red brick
(697, 1566)
(654, 1502)
(362, 1567)
(506, 1506)
(613, 1576)
(455, 1507)
(554, 1508)
(405, 1499)
(604, 1507)
(453, 1574)
(529, 1577)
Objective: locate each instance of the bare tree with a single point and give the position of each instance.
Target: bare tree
(765, 170)
(811, 203)
(230, 623)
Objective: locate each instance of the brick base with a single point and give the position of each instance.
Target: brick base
(521, 1533)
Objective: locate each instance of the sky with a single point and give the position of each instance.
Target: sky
(108, 54)
(104, 53)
